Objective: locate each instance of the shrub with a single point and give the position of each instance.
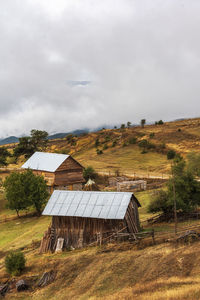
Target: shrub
(97, 143)
(159, 122)
(89, 172)
(160, 203)
(185, 187)
(133, 140)
(105, 147)
(145, 145)
(99, 151)
(15, 263)
(171, 154)
(114, 143)
(151, 135)
(179, 130)
(125, 144)
(107, 138)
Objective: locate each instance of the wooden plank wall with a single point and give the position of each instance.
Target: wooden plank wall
(77, 232)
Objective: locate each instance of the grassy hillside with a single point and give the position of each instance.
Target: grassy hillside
(115, 271)
(182, 136)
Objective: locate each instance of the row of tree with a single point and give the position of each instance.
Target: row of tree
(37, 141)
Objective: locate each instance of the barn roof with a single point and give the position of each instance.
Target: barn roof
(45, 161)
(90, 204)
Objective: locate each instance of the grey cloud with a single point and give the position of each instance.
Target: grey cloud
(76, 64)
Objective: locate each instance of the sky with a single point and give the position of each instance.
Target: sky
(71, 64)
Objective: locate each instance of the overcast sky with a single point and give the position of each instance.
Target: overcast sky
(70, 64)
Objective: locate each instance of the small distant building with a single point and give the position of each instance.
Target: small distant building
(80, 218)
(60, 171)
(133, 185)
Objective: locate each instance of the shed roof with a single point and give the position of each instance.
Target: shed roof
(90, 204)
(45, 161)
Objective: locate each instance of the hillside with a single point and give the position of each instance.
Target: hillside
(121, 152)
(115, 271)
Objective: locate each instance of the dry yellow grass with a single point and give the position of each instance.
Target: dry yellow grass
(182, 136)
(159, 272)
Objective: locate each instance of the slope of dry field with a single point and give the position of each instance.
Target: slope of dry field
(182, 136)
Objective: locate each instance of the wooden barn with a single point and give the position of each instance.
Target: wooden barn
(79, 218)
(59, 170)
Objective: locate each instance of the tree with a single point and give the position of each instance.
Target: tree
(123, 126)
(36, 190)
(171, 154)
(143, 122)
(89, 173)
(186, 188)
(193, 164)
(24, 190)
(128, 124)
(15, 193)
(15, 262)
(97, 143)
(37, 141)
(4, 154)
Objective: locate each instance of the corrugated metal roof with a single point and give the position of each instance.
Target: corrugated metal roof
(102, 205)
(44, 161)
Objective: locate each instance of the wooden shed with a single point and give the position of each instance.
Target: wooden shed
(59, 170)
(81, 217)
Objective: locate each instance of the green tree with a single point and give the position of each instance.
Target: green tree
(143, 122)
(24, 190)
(123, 126)
(15, 193)
(15, 263)
(97, 143)
(37, 141)
(171, 154)
(89, 173)
(187, 191)
(143, 144)
(193, 164)
(36, 191)
(128, 124)
(4, 154)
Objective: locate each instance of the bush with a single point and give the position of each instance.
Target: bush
(151, 135)
(89, 173)
(160, 203)
(15, 263)
(171, 154)
(99, 152)
(114, 143)
(186, 188)
(159, 122)
(105, 147)
(133, 140)
(125, 144)
(97, 143)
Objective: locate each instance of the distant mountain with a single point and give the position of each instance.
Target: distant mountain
(9, 140)
(14, 139)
